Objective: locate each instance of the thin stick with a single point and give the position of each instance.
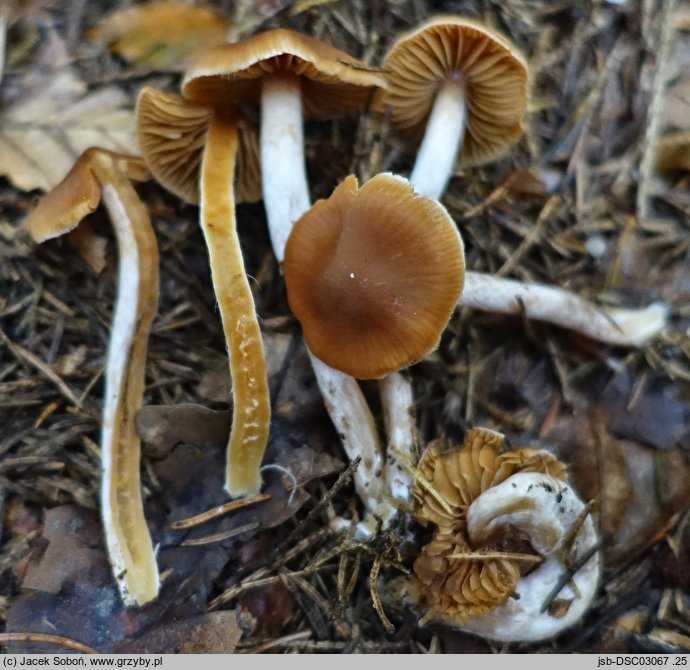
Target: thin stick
(57, 640)
(220, 510)
(26, 356)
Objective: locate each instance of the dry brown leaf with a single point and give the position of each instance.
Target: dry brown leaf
(212, 633)
(51, 118)
(162, 35)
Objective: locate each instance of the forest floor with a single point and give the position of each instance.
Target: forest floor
(582, 201)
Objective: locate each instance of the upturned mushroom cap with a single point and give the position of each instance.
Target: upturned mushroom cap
(493, 514)
(493, 72)
(172, 134)
(77, 195)
(333, 82)
(373, 274)
(460, 475)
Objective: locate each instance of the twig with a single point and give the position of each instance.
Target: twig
(57, 640)
(215, 512)
(25, 355)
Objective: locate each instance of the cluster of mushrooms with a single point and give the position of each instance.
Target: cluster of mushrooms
(373, 275)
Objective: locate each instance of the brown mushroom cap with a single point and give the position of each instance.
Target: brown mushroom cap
(172, 134)
(492, 69)
(333, 82)
(77, 195)
(373, 274)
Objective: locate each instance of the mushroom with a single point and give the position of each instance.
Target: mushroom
(193, 149)
(293, 75)
(514, 556)
(296, 76)
(459, 87)
(373, 274)
(101, 174)
(463, 88)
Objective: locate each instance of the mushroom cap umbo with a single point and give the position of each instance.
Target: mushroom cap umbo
(332, 81)
(172, 136)
(492, 70)
(373, 275)
(79, 193)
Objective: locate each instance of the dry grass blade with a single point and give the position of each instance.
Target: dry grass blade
(281, 641)
(214, 513)
(57, 640)
(424, 483)
(219, 537)
(376, 599)
(497, 555)
(26, 356)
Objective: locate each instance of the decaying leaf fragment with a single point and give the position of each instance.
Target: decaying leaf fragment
(163, 35)
(52, 118)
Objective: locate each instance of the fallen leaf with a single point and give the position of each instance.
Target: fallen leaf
(51, 118)
(162, 35)
(213, 633)
(637, 489)
(67, 534)
(659, 415)
(161, 427)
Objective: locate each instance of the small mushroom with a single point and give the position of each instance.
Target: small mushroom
(100, 174)
(514, 556)
(193, 151)
(373, 274)
(460, 88)
(294, 76)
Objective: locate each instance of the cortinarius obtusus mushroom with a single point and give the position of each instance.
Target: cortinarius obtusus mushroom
(193, 151)
(102, 174)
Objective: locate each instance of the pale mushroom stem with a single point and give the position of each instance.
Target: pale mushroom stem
(355, 425)
(549, 513)
(127, 537)
(397, 402)
(283, 170)
(627, 327)
(445, 130)
(251, 401)
(286, 199)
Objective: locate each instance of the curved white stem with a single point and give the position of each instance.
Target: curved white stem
(563, 308)
(445, 130)
(551, 515)
(283, 171)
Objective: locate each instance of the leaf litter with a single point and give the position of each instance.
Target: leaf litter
(619, 418)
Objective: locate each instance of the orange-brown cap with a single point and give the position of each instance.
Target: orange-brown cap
(172, 135)
(333, 82)
(77, 195)
(373, 274)
(493, 71)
